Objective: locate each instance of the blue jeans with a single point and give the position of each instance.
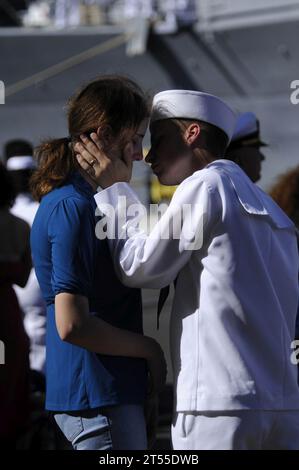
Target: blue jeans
(111, 428)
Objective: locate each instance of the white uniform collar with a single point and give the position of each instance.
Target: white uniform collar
(251, 197)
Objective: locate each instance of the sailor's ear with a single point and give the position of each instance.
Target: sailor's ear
(192, 132)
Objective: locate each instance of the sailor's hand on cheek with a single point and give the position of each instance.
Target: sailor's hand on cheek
(103, 168)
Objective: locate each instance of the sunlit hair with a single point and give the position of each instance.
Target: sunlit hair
(286, 193)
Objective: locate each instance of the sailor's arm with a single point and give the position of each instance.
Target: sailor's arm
(154, 260)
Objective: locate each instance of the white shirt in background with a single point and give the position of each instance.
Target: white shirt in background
(30, 297)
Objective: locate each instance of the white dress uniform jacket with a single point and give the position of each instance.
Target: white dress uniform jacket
(236, 297)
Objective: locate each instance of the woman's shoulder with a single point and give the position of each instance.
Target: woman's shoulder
(71, 210)
(64, 197)
(64, 207)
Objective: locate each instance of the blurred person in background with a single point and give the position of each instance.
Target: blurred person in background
(15, 266)
(80, 12)
(244, 148)
(137, 8)
(138, 16)
(94, 12)
(67, 13)
(10, 12)
(21, 165)
(175, 14)
(285, 193)
(38, 14)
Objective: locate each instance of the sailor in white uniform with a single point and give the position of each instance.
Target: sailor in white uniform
(29, 297)
(236, 296)
(245, 146)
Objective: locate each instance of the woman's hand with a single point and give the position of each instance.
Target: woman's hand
(104, 169)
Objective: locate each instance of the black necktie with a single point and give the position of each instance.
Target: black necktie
(162, 299)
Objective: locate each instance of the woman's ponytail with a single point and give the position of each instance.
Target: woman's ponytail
(55, 164)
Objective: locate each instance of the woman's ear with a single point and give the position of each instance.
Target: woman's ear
(105, 134)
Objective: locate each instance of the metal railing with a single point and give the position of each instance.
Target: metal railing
(163, 15)
(214, 15)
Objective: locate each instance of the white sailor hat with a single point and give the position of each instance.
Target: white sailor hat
(247, 132)
(22, 162)
(188, 104)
